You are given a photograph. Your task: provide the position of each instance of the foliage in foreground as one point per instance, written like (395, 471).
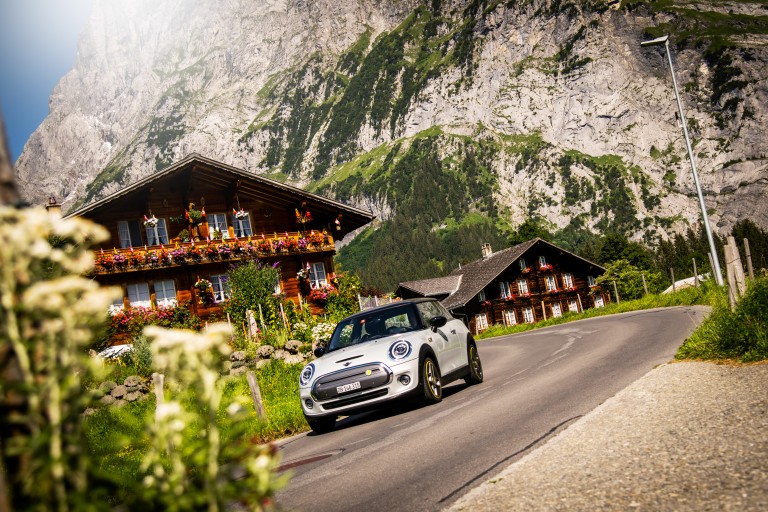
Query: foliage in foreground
(48, 460)
(739, 335)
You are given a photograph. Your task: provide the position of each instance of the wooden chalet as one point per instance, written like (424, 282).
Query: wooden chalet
(175, 234)
(529, 282)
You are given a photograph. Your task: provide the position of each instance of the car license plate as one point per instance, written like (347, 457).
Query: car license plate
(348, 387)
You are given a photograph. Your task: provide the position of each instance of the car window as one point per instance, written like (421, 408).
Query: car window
(430, 310)
(378, 324)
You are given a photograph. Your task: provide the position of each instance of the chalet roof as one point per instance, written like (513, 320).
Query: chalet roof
(433, 287)
(477, 275)
(246, 183)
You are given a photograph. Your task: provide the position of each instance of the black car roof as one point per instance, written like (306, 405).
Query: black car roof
(392, 305)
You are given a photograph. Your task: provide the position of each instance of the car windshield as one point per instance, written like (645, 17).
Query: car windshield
(378, 324)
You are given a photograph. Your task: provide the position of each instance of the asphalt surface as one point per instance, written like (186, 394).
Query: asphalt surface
(537, 384)
(689, 436)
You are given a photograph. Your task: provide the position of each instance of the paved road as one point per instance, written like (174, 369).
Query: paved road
(536, 384)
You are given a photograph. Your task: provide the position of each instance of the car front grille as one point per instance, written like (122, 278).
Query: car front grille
(351, 381)
(343, 402)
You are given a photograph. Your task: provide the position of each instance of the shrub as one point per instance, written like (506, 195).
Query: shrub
(741, 334)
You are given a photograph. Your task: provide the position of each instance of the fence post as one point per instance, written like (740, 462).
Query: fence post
(749, 260)
(695, 274)
(258, 403)
(645, 286)
(672, 273)
(616, 292)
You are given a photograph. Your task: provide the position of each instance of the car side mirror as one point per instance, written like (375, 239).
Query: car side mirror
(437, 321)
(319, 351)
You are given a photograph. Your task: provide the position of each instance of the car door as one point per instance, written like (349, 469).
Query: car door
(444, 339)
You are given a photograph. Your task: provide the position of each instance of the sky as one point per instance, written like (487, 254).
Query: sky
(38, 44)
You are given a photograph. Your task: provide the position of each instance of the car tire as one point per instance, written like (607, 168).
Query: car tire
(431, 383)
(475, 375)
(321, 425)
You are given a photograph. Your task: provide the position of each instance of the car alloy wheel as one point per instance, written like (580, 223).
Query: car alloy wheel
(431, 381)
(475, 375)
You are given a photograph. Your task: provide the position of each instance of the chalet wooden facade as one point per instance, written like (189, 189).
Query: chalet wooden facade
(175, 234)
(529, 282)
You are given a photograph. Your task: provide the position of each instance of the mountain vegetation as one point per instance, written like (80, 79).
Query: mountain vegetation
(456, 123)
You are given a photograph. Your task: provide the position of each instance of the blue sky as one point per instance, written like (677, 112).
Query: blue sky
(38, 44)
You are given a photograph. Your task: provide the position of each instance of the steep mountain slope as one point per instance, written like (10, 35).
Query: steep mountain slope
(436, 115)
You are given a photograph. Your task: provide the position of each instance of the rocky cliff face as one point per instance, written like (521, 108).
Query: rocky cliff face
(547, 108)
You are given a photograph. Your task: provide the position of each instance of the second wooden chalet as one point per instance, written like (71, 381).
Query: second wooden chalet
(529, 282)
(175, 234)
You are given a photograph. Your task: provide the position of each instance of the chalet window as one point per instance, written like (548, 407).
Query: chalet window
(551, 283)
(599, 303)
(556, 311)
(522, 263)
(317, 275)
(481, 322)
(218, 222)
(522, 286)
(573, 306)
(590, 281)
(542, 261)
(157, 234)
(509, 317)
(220, 287)
(567, 281)
(481, 296)
(242, 226)
(130, 233)
(116, 306)
(528, 314)
(505, 290)
(138, 295)
(165, 293)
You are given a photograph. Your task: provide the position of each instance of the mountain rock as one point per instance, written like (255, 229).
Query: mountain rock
(548, 108)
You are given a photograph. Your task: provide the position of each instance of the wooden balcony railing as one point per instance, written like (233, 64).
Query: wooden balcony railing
(195, 253)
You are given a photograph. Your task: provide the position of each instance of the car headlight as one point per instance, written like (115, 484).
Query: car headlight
(400, 350)
(306, 374)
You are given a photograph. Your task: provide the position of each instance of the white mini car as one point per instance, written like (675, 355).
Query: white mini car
(411, 347)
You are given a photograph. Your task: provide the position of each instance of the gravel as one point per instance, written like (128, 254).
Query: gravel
(686, 436)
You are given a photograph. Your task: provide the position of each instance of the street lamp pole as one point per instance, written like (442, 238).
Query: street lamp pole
(715, 260)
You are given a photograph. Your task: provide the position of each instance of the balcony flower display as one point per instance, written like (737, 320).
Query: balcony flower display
(119, 259)
(134, 258)
(150, 222)
(317, 239)
(225, 251)
(152, 258)
(264, 245)
(239, 214)
(104, 260)
(211, 251)
(526, 270)
(485, 303)
(194, 253)
(179, 255)
(291, 244)
(320, 294)
(302, 243)
(510, 297)
(279, 245)
(204, 291)
(546, 268)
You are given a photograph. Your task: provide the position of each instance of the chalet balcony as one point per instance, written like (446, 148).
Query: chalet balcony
(178, 254)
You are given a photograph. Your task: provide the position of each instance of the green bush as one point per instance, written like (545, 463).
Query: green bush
(741, 334)
(138, 361)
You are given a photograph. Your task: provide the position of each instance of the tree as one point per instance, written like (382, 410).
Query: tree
(531, 228)
(252, 286)
(629, 279)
